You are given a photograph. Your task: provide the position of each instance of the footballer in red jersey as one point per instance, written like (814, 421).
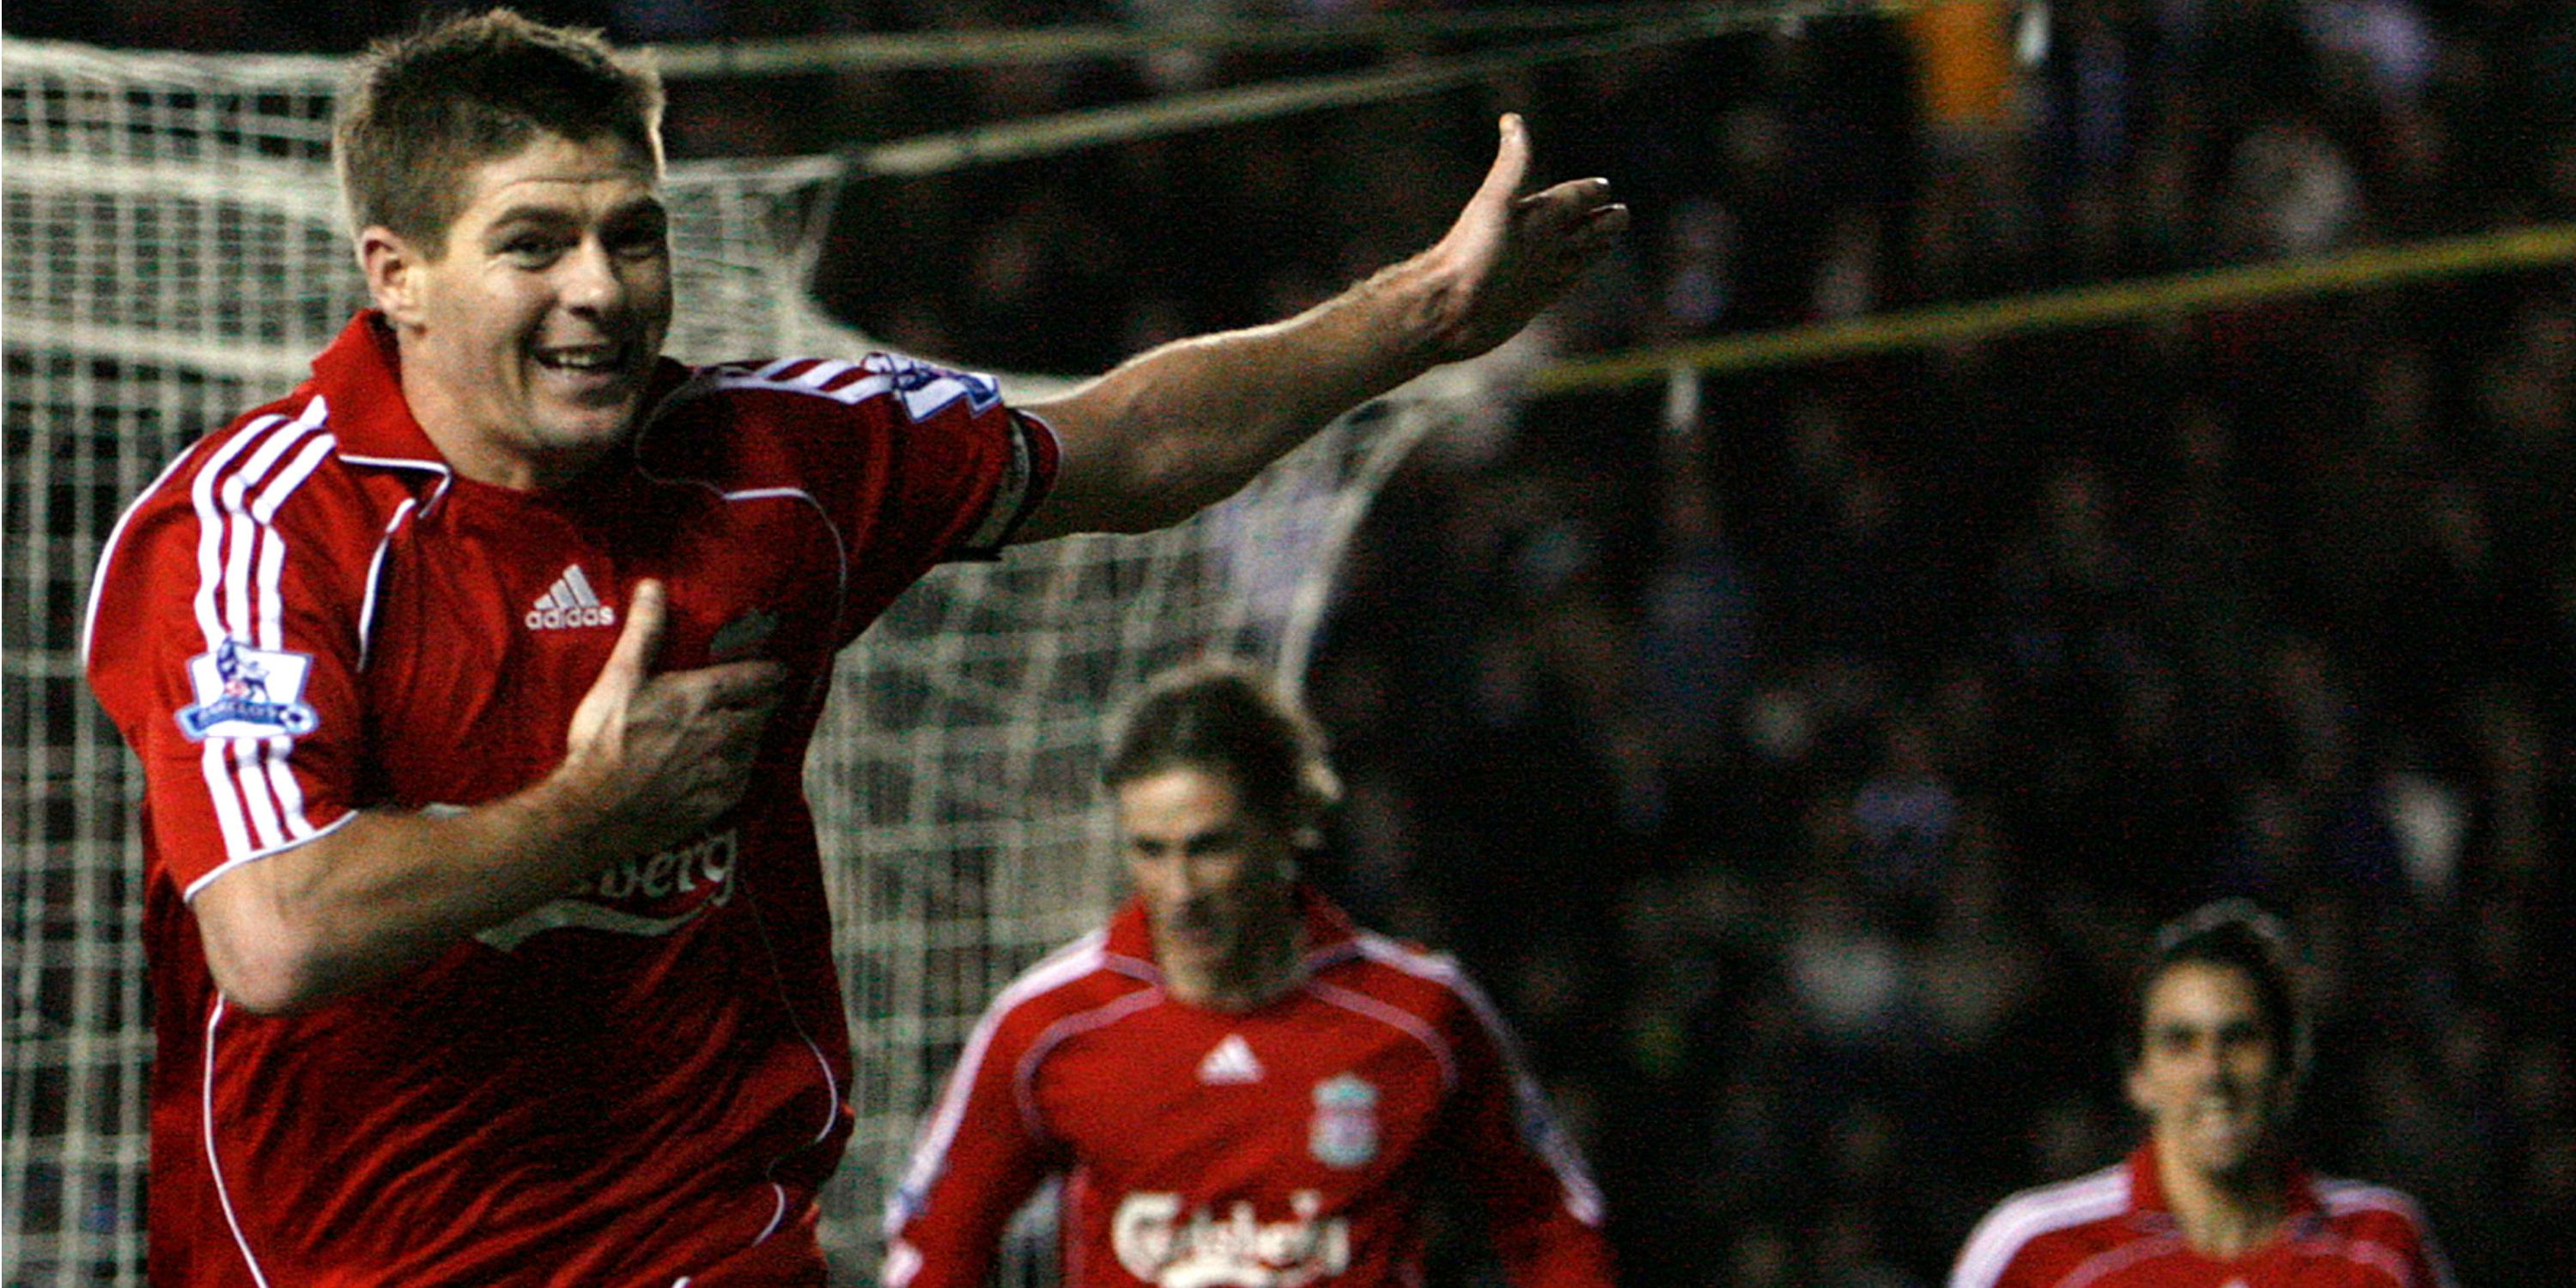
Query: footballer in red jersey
(2212, 1198)
(472, 685)
(369, 630)
(1236, 1085)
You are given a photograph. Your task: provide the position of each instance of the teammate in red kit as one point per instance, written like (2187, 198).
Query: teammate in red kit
(472, 682)
(1237, 1086)
(2212, 1198)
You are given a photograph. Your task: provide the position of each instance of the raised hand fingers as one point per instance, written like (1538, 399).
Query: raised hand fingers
(1573, 204)
(630, 662)
(1484, 223)
(1511, 163)
(1508, 256)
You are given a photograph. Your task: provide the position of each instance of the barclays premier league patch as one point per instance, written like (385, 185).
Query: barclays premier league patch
(925, 388)
(245, 692)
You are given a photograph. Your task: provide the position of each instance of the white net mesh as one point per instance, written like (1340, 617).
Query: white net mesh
(175, 255)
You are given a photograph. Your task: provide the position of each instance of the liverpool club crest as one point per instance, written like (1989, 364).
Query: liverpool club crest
(1344, 1134)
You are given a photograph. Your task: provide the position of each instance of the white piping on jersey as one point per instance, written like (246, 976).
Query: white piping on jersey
(2375, 1255)
(211, 528)
(270, 756)
(2343, 1197)
(1024, 1079)
(107, 553)
(2105, 1194)
(823, 373)
(1393, 1017)
(2111, 1261)
(256, 855)
(375, 581)
(777, 1203)
(1332, 954)
(1998, 1238)
(930, 1153)
(1536, 1123)
(1009, 499)
(1439, 970)
(446, 476)
(215, 1164)
(831, 1082)
(903, 1262)
(1135, 968)
(384, 544)
(840, 543)
(812, 380)
(241, 560)
(2338, 1197)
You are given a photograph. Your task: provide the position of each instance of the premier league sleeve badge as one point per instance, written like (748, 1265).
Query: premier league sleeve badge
(245, 692)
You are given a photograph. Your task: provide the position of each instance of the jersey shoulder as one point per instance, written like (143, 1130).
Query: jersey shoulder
(2057, 1223)
(1074, 980)
(268, 503)
(770, 413)
(923, 390)
(278, 464)
(2384, 1213)
(1420, 992)
(1405, 975)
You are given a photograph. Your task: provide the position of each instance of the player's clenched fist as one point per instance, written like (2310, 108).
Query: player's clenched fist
(660, 756)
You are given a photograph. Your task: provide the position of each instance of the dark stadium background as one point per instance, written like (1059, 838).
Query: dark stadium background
(1802, 772)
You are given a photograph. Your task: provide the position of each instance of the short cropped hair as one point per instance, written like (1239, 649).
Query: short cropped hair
(2237, 935)
(1227, 718)
(422, 109)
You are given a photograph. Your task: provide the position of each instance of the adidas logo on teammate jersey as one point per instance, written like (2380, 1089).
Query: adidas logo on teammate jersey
(1230, 1063)
(570, 602)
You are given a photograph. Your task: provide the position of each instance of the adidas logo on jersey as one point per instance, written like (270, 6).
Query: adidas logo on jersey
(1230, 1063)
(570, 602)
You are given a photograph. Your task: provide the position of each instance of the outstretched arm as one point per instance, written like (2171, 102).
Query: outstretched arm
(1184, 425)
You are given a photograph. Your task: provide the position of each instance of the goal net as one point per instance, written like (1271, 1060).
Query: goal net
(175, 254)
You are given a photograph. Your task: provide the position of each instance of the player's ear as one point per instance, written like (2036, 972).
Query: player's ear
(392, 264)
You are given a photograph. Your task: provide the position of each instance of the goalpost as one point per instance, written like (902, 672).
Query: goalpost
(176, 255)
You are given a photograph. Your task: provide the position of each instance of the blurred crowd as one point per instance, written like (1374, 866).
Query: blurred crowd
(1803, 756)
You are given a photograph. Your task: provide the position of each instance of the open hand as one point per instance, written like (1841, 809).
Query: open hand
(1508, 255)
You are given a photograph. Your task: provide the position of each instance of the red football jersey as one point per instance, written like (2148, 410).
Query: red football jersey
(308, 615)
(2112, 1229)
(1284, 1146)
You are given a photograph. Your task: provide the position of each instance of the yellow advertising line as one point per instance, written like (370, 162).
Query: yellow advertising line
(2359, 270)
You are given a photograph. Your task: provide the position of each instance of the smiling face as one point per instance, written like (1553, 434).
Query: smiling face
(1214, 879)
(529, 338)
(2211, 1076)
